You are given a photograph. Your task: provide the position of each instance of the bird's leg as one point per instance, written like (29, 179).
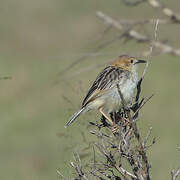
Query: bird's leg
(104, 122)
(115, 123)
(115, 126)
(106, 116)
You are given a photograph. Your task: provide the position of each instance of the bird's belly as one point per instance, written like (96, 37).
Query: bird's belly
(113, 99)
(128, 90)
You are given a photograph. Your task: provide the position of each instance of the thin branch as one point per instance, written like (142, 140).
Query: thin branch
(174, 174)
(151, 48)
(110, 21)
(132, 3)
(140, 107)
(79, 170)
(147, 136)
(125, 172)
(59, 173)
(164, 48)
(175, 17)
(128, 22)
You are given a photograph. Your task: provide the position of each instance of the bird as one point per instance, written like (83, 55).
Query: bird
(104, 96)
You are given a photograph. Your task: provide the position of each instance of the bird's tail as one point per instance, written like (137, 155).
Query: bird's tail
(73, 118)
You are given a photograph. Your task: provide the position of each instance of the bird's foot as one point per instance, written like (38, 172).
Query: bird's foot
(115, 129)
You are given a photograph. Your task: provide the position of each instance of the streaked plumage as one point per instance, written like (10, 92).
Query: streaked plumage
(103, 94)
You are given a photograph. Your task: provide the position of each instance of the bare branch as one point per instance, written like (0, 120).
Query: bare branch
(175, 17)
(174, 174)
(129, 22)
(78, 170)
(140, 107)
(125, 172)
(59, 173)
(147, 136)
(133, 3)
(110, 21)
(151, 48)
(164, 48)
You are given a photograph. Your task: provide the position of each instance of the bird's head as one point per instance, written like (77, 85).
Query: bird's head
(127, 62)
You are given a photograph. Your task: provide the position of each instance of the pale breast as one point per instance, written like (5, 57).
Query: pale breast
(111, 101)
(127, 87)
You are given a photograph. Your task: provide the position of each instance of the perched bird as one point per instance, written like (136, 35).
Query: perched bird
(103, 94)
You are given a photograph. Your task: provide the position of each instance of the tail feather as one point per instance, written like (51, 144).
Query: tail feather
(73, 118)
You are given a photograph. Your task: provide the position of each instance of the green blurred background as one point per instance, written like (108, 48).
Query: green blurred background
(39, 39)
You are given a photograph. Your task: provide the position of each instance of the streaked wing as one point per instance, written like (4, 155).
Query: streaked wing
(105, 80)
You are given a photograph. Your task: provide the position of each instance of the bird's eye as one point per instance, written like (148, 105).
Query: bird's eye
(131, 61)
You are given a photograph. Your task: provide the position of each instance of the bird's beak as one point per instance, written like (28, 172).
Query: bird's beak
(140, 61)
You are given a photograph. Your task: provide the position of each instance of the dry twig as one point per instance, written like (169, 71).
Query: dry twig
(131, 33)
(174, 174)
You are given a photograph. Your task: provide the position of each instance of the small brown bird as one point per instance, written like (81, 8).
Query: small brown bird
(103, 94)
